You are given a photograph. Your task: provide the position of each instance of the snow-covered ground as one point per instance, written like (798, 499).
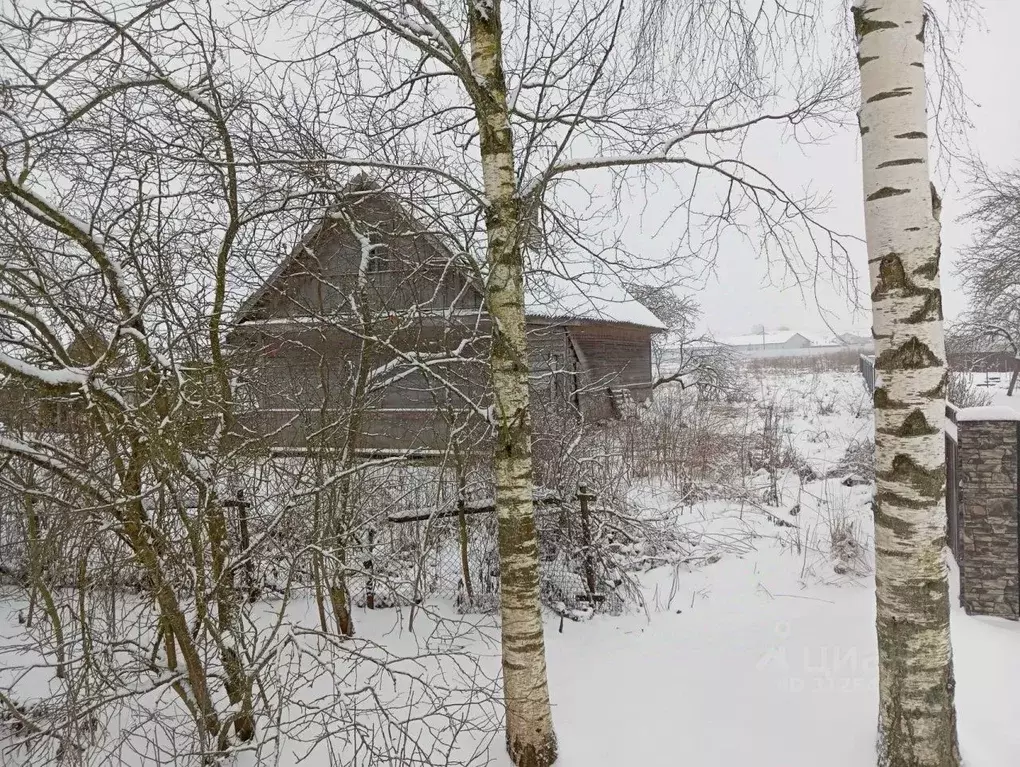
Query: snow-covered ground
(767, 657)
(759, 651)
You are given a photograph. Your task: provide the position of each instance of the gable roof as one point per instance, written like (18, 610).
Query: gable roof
(548, 296)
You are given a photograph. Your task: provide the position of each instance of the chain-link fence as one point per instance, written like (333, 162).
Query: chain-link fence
(451, 555)
(585, 556)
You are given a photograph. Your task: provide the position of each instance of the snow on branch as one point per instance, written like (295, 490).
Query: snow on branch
(51, 216)
(50, 458)
(67, 378)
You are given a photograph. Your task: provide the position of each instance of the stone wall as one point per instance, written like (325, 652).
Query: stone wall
(989, 545)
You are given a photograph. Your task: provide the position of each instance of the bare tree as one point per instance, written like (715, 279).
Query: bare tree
(146, 185)
(990, 266)
(917, 720)
(91, 200)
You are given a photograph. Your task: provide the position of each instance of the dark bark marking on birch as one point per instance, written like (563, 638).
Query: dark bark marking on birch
(912, 135)
(886, 191)
(897, 525)
(529, 756)
(893, 94)
(929, 483)
(892, 278)
(895, 499)
(930, 309)
(883, 401)
(865, 26)
(896, 746)
(912, 354)
(898, 163)
(915, 425)
(939, 392)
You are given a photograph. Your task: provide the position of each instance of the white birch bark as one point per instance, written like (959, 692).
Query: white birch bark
(531, 741)
(917, 723)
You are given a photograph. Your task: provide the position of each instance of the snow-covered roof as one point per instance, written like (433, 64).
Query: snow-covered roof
(597, 298)
(1006, 412)
(552, 299)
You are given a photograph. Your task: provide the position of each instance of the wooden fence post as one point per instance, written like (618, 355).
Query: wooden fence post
(583, 496)
(242, 523)
(465, 566)
(369, 569)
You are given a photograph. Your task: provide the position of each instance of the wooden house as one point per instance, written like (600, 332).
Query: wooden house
(372, 332)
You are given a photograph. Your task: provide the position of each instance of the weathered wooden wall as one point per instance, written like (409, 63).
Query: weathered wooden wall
(297, 378)
(300, 340)
(612, 357)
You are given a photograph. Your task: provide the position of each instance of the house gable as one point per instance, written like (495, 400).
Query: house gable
(367, 233)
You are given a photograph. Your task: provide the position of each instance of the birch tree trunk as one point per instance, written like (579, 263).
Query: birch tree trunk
(917, 722)
(531, 741)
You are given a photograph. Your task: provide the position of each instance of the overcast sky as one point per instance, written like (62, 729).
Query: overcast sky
(739, 297)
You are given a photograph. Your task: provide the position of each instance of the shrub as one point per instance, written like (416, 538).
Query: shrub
(963, 392)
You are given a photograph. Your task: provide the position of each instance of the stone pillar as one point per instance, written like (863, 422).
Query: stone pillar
(990, 556)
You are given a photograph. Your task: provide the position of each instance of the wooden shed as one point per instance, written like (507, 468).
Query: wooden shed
(371, 306)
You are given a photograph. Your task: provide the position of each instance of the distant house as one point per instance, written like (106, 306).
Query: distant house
(768, 342)
(790, 343)
(369, 270)
(856, 338)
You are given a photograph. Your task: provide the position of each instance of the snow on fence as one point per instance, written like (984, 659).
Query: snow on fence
(540, 497)
(451, 551)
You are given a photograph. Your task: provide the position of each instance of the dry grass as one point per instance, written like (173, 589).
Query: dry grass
(837, 361)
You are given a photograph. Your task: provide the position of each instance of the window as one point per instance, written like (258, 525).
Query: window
(378, 258)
